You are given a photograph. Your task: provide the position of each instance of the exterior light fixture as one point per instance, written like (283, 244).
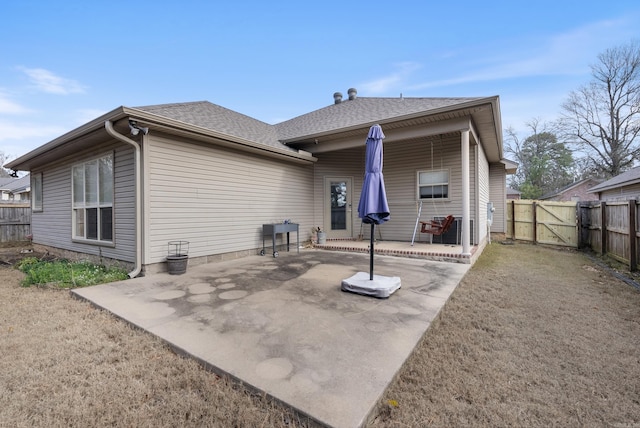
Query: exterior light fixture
(135, 129)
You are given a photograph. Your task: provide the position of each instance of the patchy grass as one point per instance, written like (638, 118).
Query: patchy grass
(532, 337)
(66, 274)
(67, 364)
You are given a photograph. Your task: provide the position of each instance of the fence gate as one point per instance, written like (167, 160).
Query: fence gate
(544, 222)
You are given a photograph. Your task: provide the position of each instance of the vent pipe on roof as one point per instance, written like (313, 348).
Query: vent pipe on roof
(337, 97)
(352, 93)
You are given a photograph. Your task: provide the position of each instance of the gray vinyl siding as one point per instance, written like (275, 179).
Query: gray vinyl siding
(402, 161)
(483, 193)
(498, 195)
(623, 193)
(218, 198)
(344, 163)
(52, 226)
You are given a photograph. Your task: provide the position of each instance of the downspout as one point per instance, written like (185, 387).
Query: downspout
(108, 126)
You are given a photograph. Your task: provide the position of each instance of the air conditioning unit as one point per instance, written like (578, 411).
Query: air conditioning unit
(453, 236)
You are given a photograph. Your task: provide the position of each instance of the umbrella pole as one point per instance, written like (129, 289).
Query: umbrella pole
(373, 226)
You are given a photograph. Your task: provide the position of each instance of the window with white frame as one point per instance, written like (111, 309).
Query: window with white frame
(433, 184)
(36, 192)
(92, 189)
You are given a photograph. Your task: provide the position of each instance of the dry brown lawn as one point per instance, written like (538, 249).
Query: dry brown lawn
(533, 336)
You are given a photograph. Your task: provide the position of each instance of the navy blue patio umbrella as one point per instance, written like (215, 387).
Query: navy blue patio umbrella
(373, 207)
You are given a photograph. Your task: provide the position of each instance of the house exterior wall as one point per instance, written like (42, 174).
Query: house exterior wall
(623, 193)
(498, 195)
(483, 193)
(347, 163)
(402, 161)
(580, 193)
(53, 225)
(577, 193)
(22, 197)
(218, 198)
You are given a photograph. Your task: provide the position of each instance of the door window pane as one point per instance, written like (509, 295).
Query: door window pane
(338, 205)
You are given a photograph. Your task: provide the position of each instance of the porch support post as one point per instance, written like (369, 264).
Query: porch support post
(466, 203)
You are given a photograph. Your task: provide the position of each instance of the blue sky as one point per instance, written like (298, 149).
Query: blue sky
(63, 63)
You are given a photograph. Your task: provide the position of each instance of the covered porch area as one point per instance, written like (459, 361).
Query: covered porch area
(419, 250)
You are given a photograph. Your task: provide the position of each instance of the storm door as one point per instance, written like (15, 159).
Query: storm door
(338, 206)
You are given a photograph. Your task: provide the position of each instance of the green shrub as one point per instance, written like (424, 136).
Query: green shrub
(66, 274)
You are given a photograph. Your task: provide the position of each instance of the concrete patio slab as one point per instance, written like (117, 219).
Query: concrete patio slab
(283, 326)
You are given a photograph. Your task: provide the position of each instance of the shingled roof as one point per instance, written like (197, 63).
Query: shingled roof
(627, 178)
(351, 113)
(15, 185)
(345, 116)
(212, 116)
(359, 111)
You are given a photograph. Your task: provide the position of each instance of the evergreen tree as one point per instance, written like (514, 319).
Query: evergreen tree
(544, 164)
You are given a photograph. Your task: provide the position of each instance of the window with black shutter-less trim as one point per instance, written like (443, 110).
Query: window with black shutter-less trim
(36, 192)
(433, 184)
(92, 197)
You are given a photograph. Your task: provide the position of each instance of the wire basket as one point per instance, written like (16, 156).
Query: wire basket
(177, 248)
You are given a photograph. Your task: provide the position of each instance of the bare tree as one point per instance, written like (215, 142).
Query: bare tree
(602, 118)
(4, 159)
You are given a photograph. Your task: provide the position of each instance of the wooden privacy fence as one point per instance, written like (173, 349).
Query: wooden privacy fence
(610, 228)
(618, 237)
(543, 222)
(15, 222)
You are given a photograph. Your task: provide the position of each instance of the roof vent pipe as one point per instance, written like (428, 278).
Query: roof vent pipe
(352, 93)
(337, 97)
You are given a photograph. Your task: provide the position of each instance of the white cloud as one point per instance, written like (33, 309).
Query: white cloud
(9, 107)
(393, 80)
(48, 82)
(564, 54)
(83, 116)
(21, 131)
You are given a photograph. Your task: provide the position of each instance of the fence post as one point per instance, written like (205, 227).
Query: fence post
(633, 242)
(579, 224)
(603, 226)
(535, 222)
(513, 220)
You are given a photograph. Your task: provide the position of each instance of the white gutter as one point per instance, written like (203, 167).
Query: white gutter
(108, 126)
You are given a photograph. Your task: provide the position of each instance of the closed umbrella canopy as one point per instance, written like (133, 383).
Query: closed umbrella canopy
(373, 207)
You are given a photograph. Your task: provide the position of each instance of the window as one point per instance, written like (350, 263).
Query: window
(36, 192)
(92, 190)
(433, 184)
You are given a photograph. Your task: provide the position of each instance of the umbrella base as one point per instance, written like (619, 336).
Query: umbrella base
(381, 286)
